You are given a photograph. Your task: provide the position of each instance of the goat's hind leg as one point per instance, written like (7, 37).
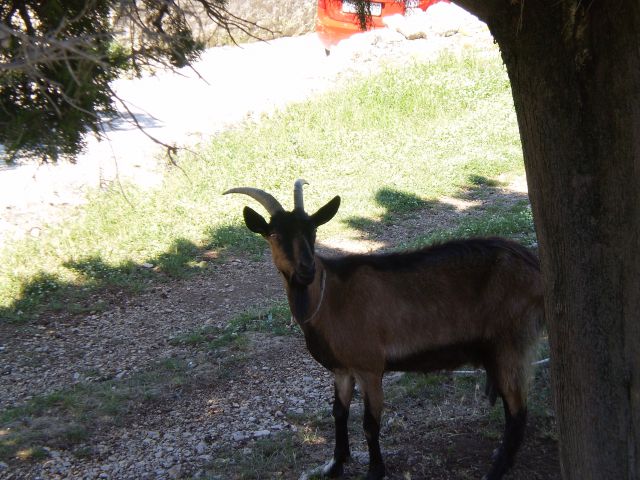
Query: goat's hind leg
(515, 412)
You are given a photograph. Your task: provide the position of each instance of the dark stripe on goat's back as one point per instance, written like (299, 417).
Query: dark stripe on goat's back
(476, 249)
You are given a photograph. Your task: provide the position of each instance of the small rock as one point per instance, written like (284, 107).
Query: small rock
(361, 457)
(54, 453)
(261, 433)
(3, 466)
(201, 448)
(174, 472)
(238, 436)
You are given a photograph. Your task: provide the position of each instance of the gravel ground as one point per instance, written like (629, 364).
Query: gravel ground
(211, 423)
(233, 397)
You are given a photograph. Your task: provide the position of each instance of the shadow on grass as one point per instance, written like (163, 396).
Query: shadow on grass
(485, 209)
(395, 202)
(93, 275)
(507, 214)
(480, 180)
(236, 238)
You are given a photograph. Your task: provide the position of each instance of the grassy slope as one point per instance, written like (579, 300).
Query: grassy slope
(385, 144)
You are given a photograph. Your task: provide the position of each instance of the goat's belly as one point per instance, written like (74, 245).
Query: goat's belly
(441, 358)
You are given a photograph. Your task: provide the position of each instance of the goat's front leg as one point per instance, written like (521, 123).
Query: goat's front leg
(371, 386)
(342, 400)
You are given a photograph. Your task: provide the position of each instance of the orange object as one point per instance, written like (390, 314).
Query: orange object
(337, 19)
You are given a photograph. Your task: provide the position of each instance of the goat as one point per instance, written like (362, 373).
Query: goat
(476, 301)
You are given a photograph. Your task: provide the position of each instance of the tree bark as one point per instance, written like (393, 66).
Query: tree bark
(574, 68)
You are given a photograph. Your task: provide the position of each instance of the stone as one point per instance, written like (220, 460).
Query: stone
(174, 472)
(201, 447)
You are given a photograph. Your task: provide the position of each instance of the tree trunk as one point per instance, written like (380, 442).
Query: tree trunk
(574, 68)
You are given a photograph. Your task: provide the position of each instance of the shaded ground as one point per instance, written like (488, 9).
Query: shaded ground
(169, 384)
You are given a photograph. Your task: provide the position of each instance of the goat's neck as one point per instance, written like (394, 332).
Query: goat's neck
(305, 301)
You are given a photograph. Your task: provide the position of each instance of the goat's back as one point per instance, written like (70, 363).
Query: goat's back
(434, 308)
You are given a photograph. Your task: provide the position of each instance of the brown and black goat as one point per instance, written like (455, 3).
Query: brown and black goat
(473, 301)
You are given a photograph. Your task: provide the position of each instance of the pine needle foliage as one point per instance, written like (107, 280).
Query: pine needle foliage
(58, 57)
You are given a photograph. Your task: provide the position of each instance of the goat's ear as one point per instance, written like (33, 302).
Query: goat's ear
(254, 221)
(326, 213)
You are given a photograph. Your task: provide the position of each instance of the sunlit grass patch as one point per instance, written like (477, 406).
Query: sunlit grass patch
(389, 144)
(513, 221)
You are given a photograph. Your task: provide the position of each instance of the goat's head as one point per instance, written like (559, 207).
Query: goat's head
(291, 235)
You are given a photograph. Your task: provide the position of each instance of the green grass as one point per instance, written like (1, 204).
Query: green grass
(389, 144)
(513, 221)
(266, 458)
(275, 320)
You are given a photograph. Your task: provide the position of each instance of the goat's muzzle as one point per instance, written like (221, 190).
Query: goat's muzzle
(304, 275)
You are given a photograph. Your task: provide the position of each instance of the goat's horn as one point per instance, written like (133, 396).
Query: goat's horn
(298, 202)
(267, 200)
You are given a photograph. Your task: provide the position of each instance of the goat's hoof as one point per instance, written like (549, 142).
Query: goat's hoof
(496, 454)
(498, 470)
(333, 469)
(495, 474)
(375, 473)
